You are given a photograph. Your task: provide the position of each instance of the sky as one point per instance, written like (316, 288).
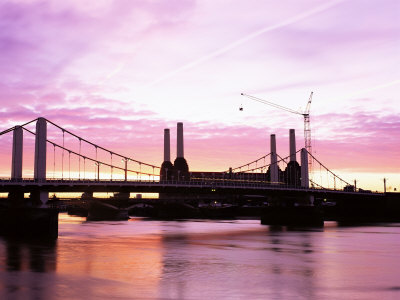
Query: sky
(118, 72)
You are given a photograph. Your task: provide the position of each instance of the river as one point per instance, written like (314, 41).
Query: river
(203, 259)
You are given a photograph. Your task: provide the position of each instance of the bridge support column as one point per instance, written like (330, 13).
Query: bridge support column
(304, 169)
(274, 159)
(40, 157)
(16, 166)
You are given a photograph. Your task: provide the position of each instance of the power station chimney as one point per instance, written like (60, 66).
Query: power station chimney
(292, 172)
(180, 165)
(167, 148)
(274, 165)
(179, 140)
(167, 168)
(292, 139)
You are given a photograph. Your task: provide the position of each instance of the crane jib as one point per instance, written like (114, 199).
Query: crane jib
(305, 114)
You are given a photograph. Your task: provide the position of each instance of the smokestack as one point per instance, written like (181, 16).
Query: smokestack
(274, 165)
(179, 141)
(292, 139)
(167, 168)
(167, 149)
(181, 168)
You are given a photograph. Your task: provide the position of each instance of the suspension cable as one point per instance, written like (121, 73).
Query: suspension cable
(328, 169)
(102, 148)
(86, 157)
(262, 157)
(267, 165)
(14, 127)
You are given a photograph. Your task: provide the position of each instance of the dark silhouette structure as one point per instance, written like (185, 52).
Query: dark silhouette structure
(180, 169)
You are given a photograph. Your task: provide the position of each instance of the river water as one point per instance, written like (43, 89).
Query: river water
(205, 259)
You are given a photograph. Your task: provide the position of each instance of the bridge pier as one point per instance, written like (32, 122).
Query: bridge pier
(40, 157)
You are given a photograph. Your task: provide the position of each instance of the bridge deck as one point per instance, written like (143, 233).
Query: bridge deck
(218, 186)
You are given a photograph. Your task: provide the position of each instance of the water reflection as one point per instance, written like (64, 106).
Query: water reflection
(22, 258)
(35, 256)
(174, 267)
(202, 260)
(231, 263)
(293, 266)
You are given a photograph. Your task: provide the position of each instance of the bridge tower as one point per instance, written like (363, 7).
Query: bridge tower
(17, 147)
(16, 196)
(180, 165)
(167, 168)
(40, 157)
(304, 169)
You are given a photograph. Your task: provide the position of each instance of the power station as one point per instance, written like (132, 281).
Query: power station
(180, 169)
(294, 174)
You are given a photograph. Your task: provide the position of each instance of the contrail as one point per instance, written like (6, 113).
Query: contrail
(245, 39)
(374, 88)
(113, 72)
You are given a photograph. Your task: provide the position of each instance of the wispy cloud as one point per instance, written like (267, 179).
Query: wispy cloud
(245, 39)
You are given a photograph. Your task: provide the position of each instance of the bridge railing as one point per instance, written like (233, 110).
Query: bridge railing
(211, 183)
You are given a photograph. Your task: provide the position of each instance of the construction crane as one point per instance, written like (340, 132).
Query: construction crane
(305, 114)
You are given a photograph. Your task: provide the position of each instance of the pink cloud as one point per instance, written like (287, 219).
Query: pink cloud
(365, 143)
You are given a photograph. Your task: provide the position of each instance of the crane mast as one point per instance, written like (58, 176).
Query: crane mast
(305, 114)
(307, 130)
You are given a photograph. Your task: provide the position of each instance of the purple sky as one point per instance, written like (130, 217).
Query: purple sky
(119, 72)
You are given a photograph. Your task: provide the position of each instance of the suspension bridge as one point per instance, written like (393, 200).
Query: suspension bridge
(67, 162)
